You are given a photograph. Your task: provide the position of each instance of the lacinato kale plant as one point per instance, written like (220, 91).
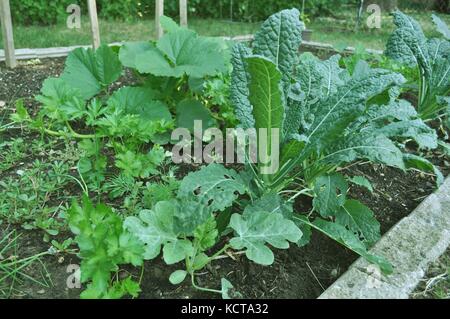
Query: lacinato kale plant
(409, 45)
(326, 118)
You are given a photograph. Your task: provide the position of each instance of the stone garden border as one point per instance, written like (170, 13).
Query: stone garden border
(411, 245)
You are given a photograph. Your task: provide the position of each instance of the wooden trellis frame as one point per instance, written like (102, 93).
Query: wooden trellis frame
(7, 32)
(159, 11)
(95, 29)
(8, 37)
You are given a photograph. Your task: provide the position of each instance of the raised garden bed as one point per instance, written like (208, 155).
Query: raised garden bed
(297, 273)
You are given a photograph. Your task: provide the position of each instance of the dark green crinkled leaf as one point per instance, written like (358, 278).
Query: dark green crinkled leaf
(400, 110)
(278, 40)
(376, 148)
(319, 78)
(441, 26)
(425, 136)
(406, 47)
(408, 43)
(345, 106)
(240, 86)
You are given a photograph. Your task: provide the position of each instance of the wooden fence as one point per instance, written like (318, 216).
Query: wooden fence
(8, 37)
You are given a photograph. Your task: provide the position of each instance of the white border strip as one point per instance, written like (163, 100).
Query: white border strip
(27, 54)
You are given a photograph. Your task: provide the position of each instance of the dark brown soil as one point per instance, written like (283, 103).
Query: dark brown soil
(26, 80)
(297, 273)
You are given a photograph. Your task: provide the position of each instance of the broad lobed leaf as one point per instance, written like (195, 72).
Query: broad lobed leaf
(254, 231)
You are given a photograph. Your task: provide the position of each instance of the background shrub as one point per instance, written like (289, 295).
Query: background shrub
(49, 12)
(45, 12)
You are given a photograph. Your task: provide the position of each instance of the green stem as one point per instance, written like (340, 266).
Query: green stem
(80, 136)
(64, 134)
(7, 126)
(302, 192)
(220, 252)
(202, 288)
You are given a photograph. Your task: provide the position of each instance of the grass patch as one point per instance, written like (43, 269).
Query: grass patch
(436, 284)
(116, 31)
(337, 30)
(15, 269)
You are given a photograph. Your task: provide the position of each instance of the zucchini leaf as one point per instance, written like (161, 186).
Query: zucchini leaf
(91, 71)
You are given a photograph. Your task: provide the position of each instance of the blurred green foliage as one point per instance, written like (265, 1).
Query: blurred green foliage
(48, 12)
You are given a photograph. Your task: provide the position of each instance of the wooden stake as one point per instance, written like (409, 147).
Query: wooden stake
(159, 12)
(7, 32)
(92, 7)
(183, 13)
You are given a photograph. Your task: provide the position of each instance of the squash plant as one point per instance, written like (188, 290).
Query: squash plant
(409, 45)
(177, 68)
